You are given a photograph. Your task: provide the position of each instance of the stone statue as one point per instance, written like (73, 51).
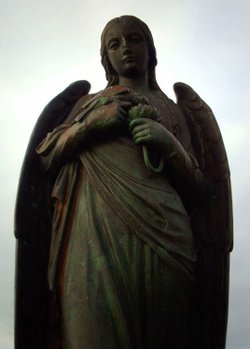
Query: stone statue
(123, 215)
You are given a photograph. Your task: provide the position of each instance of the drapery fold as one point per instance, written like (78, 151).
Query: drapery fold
(143, 201)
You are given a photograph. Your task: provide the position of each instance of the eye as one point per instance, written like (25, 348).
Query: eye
(114, 44)
(135, 38)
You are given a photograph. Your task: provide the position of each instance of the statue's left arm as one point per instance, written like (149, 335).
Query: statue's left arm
(181, 165)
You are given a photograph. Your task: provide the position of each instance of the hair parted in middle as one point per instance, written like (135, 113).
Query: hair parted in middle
(111, 74)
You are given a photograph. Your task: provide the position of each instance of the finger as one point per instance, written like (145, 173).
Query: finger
(133, 113)
(122, 110)
(124, 98)
(143, 139)
(121, 92)
(139, 134)
(138, 129)
(149, 112)
(136, 122)
(145, 111)
(125, 105)
(121, 115)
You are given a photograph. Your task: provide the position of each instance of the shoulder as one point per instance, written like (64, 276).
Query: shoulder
(77, 107)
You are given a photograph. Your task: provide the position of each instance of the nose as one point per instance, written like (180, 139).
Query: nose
(124, 42)
(125, 46)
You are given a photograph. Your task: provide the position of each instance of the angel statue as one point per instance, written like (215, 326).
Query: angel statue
(123, 214)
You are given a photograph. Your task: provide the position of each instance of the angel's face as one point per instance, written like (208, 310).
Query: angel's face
(127, 49)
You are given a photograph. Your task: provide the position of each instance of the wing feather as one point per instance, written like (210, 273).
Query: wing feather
(212, 225)
(32, 227)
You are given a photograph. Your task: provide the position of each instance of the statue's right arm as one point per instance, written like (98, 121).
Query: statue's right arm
(62, 145)
(65, 142)
(58, 143)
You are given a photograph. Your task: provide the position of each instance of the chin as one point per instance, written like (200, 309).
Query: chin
(132, 72)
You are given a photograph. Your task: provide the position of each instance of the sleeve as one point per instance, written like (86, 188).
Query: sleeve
(181, 163)
(54, 149)
(185, 173)
(61, 145)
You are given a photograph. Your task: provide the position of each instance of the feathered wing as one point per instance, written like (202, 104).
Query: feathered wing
(212, 225)
(32, 227)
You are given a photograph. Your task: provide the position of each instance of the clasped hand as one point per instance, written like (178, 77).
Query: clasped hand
(147, 131)
(108, 117)
(141, 120)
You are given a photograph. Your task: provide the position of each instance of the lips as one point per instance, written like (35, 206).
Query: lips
(128, 59)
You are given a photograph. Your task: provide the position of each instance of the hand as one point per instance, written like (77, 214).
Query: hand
(147, 131)
(108, 117)
(143, 111)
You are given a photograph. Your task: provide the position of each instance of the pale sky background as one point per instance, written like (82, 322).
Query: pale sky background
(46, 45)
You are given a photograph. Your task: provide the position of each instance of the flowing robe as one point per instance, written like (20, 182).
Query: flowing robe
(122, 251)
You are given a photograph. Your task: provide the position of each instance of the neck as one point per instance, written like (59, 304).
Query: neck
(137, 84)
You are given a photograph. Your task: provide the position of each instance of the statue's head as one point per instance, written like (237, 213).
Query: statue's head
(148, 52)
